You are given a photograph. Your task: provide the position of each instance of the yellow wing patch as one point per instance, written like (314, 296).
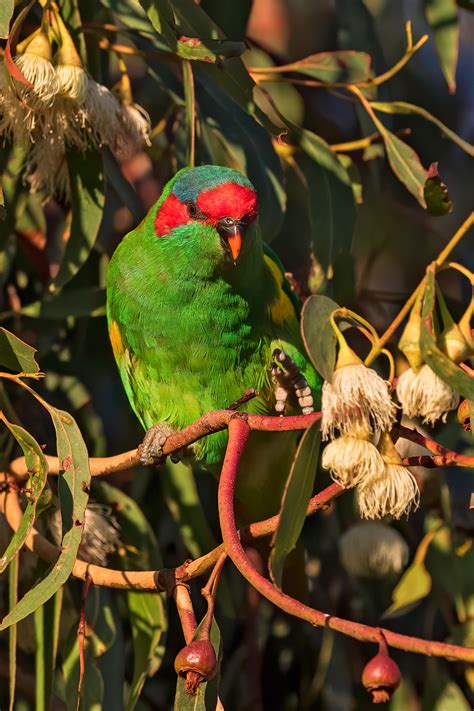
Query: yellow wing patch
(116, 340)
(281, 309)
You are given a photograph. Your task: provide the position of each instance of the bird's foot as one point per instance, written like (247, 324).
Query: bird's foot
(151, 449)
(288, 378)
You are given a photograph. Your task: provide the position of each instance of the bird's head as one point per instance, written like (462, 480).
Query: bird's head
(207, 210)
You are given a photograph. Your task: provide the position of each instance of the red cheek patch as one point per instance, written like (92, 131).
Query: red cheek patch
(171, 214)
(228, 200)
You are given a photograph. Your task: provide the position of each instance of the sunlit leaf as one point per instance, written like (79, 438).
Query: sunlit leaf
(344, 66)
(318, 335)
(296, 496)
(406, 165)
(413, 586)
(73, 488)
(15, 354)
(448, 371)
(402, 107)
(442, 17)
(6, 12)
(38, 469)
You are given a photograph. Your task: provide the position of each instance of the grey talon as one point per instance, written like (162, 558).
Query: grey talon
(288, 378)
(151, 449)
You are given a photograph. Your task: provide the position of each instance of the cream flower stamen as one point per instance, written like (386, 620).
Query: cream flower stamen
(423, 394)
(35, 63)
(357, 395)
(393, 491)
(373, 550)
(352, 458)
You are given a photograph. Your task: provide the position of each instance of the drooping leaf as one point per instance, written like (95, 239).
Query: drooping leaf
(332, 208)
(448, 371)
(442, 17)
(13, 195)
(345, 66)
(15, 354)
(296, 496)
(147, 612)
(121, 186)
(318, 336)
(73, 488)
(82, 301)
(6, 13)
(436, 193)
(86, 175)
(38, 469)
(413, 586)
(13, 631)
(402, 107)
(47, 618)
(406, 165)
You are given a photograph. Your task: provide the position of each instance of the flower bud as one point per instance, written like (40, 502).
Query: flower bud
(381, 676)
(196, 663)
(409, 342)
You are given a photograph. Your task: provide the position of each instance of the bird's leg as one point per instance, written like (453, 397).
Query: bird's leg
(288, 378)
(151, 449)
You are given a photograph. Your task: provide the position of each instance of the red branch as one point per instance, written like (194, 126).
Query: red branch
(238, 434)
(440, 456)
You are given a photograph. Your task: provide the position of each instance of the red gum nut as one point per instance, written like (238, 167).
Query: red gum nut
(381, 676)
(196, 663)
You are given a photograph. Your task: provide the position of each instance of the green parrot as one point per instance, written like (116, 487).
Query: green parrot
(199, 311)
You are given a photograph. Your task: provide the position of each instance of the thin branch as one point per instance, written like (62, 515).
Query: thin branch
(238, 434)
(441, 456)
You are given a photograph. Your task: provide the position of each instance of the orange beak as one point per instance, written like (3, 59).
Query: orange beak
(234, 241)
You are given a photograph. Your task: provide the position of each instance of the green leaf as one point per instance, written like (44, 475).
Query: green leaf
(147, 613)
(345, 66)
(73, 488)
(38, 468)
(13, 631)
(442, 17)
(83, 301)
(401, 107)
(47, 618)
(406, 165)
(448, 371)
(207, 693)
(318, 335)
(122, 187)
(413, 586)
(6, 13)
(86, 175)
(332, 209)
(436, 193)
(15, 354)
(296, 496)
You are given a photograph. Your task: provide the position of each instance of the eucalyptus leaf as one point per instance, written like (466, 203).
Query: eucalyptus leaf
(294, 504)
(344, 66)
(413, 586)
(442, 17)
(6, 14)
(47, 619)
(436, 193)
(38, 469)
(318, 335)
(15, 354)
(73, 488)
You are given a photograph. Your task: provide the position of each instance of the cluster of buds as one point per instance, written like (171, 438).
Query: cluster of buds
(421, 392)
(358, 410)
(50, 102)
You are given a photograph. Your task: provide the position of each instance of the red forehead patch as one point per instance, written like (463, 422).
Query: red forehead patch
(228, 200)
(171, 214)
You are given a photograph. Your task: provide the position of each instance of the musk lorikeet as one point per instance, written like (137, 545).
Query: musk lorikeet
(198, 308)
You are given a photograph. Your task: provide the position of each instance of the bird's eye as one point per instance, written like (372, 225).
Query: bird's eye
(228, 221)
(192, 209)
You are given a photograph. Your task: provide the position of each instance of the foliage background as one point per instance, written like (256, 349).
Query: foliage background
(367, 253)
